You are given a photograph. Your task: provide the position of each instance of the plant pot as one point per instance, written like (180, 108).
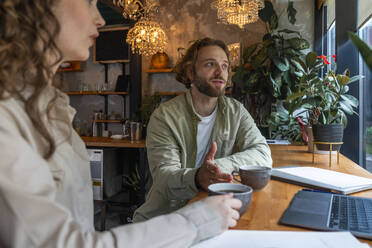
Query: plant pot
(328, 133)
(160, 60)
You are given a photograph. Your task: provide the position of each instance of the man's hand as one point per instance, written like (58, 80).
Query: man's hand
(209, 173)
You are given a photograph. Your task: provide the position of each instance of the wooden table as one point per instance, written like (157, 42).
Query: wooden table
(268, 205)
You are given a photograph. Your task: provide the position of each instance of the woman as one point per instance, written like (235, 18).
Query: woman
(45, 186)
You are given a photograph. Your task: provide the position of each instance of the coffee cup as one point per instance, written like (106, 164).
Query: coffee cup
(252, 175)
(241, 192)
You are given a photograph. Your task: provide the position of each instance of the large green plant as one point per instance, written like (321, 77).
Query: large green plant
(363, 48)
(285, 122)
(269, 71)
(325, 99)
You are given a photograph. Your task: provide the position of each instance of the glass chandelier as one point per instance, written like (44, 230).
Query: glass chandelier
(238, 12)
(147, 37)
(132, 9)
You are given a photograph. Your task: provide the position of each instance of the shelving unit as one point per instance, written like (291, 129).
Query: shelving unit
(96, 93)
(75, 66)
(170, 93)
(105, 94)
(109, 121)
(166, 70)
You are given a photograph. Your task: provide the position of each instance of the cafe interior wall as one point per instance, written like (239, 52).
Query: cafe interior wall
(183, 21)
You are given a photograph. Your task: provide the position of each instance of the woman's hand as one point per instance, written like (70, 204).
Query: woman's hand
(227, 207)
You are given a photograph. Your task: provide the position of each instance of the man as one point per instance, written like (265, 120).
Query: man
(199, 138)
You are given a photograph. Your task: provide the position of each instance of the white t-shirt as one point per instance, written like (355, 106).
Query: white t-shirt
(205, 128)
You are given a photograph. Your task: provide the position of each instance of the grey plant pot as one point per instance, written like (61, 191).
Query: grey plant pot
(328, 133)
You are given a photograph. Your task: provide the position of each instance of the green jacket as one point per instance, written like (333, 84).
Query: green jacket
(172, 148)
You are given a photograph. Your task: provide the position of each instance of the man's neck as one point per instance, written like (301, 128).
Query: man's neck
(204, 105)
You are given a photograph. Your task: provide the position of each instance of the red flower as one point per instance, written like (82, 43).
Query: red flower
(334, 58)
(300, 121)
(325, 60)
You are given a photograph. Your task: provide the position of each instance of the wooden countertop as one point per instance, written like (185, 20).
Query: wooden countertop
(268, 205)
(108, 142)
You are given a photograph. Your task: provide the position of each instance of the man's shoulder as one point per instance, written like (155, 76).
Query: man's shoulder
(176, 103)
(231, 103)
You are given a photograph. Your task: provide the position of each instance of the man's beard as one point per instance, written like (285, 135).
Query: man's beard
(204, 87)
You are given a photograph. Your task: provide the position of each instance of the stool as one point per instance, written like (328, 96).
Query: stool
(330, 151)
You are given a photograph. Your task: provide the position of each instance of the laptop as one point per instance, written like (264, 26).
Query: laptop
(332, 212)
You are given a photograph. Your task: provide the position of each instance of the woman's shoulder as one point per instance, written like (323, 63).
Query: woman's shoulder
(11, 109)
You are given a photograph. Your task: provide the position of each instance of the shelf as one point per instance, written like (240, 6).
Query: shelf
(109, 121)
(108, 142)
(69, 70)
(74, 66)
(176, 93)
(170, 93)
(96, 93)
(166, 70)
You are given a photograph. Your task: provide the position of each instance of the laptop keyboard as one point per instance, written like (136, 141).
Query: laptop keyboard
(348, 213)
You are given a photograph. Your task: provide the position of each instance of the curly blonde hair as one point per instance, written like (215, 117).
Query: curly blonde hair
(189, 59)
(27, 40)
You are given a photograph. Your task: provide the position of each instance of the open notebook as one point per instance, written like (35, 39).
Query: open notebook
(320, 178)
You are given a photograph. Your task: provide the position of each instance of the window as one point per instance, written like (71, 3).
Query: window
(331, 42)
(365, 33)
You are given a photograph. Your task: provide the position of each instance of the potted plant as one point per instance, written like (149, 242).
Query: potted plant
(325, 99)
(268, 71)
(149, 104)
(288, 121)
(132, 182)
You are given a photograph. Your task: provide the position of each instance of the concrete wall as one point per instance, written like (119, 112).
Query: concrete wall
(183, 21)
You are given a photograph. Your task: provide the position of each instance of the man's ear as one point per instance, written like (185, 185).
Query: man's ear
(190, 73)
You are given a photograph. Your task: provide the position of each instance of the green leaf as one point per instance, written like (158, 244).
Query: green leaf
(291, 12)
(355, 78)
(330, 97)
(343, 118)
(249, 51)
(298, 73)
(266, 37)
(274, 21)
(363, 48)
(287, 31)
(253, 78)
(239, 75)
(342, 79)
(299, 43)
(334, 112)
(296, 95)
(259, 58)
(280, 65)
(311, 58)
(266, 13)
(346, 89)
(285, 77)
(299, 65)
(344, 105)
(272, 52)
(350, 99)
(275, 86)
